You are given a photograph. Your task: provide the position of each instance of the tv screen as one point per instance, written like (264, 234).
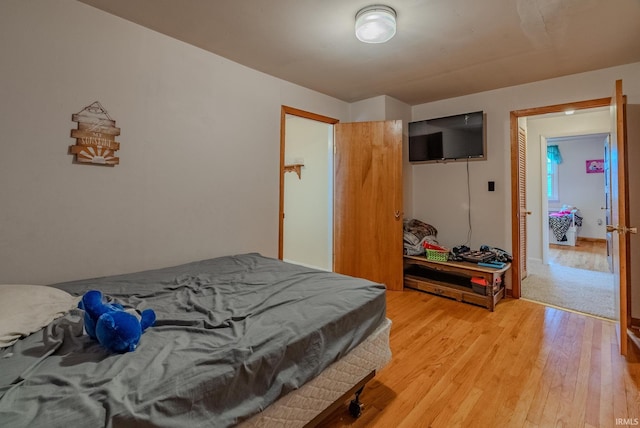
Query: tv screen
(448, 138)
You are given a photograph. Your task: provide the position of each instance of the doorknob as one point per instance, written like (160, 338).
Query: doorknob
(396, 214)
(621, 229)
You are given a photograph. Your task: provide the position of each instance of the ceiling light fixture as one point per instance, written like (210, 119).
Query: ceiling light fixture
(375, 24)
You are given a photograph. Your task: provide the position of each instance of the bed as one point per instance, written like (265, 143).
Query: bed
(240, 340)
(564, 225)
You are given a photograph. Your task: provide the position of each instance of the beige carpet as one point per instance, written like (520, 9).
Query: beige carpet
(580, 290)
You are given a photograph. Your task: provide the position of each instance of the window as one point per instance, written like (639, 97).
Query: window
(554, 158)
(552, 180)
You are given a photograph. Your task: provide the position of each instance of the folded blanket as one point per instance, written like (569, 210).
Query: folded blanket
(415, 234)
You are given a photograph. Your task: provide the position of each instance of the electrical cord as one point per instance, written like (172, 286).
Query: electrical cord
(470, 231)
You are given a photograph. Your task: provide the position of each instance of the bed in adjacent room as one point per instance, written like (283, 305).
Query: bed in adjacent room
(244, 339)
(564, 225)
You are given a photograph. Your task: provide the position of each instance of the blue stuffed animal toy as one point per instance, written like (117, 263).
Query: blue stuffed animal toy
(112, 326)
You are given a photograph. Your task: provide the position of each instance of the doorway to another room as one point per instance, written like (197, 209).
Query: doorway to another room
(617, 227)
(577, 201)
(307, 190)
(567, 248)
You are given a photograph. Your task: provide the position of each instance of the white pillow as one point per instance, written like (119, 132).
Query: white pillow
(25, 309)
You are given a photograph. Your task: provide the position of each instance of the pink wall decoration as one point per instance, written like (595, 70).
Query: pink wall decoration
(595, 166)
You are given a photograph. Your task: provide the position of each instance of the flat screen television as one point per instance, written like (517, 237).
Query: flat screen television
(450, 138)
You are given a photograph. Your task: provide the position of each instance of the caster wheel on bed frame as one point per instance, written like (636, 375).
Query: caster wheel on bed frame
(355, 408)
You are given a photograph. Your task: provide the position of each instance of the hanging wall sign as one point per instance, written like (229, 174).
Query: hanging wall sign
(95, 136)
(595, 166)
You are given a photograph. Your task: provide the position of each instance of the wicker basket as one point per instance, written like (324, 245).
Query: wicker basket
(437, 255)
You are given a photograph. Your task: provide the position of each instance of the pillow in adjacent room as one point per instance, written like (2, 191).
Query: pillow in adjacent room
(25, 309)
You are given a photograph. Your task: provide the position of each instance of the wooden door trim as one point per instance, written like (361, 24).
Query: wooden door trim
(515, 191)
(284, 111)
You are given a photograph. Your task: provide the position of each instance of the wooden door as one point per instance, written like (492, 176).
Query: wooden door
(368, 201)
(522, 183)
(619, 214)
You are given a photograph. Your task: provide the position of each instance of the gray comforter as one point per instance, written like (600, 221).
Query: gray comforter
(232, 335)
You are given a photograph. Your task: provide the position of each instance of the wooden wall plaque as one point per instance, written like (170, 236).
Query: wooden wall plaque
(95, 136)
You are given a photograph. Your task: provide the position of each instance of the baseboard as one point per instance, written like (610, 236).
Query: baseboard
(634, 342)
(583, 238)
(635, 322)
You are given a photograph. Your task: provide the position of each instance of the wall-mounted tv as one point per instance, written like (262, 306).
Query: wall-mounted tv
(451, 138)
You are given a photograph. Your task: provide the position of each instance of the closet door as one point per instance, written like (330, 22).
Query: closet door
(522, 183)
(368, 201)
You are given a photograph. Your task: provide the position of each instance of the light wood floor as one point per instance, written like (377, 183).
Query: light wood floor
(589, 255)
(524, 365)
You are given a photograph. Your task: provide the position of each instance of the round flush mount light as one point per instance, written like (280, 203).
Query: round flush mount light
(375, 24)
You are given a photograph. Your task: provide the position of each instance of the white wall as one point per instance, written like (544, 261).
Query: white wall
(369, 110)
(199, 160)
(440, 190)
(307, 222)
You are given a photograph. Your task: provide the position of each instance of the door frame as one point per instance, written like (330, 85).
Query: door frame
(284, 111)
(516, 215)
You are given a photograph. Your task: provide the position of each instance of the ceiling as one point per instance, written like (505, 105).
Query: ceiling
(442, 49)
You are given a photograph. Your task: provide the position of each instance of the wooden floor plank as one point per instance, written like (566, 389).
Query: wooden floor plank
(593, 402)
(632, 381)
(620, 394)
(557, 370)
(589, 255)
(529, 369)
(524, 365)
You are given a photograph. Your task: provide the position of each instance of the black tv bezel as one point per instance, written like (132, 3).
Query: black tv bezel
(483, 156)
